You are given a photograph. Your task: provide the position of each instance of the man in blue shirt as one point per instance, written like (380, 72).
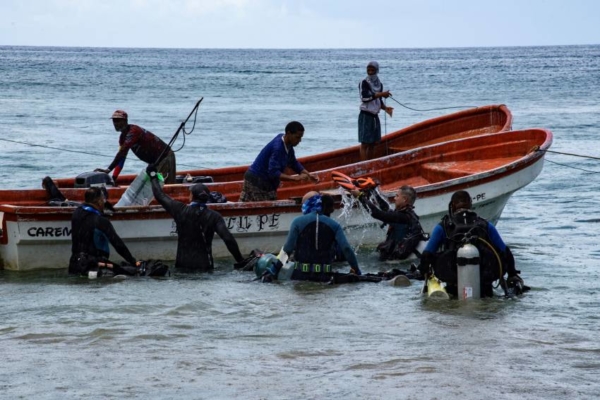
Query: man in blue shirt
(264, 176)
(461, 226)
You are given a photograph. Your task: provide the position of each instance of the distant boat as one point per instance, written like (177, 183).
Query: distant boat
(490, 166)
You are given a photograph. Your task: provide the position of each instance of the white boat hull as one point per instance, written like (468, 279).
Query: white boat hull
(44, 241)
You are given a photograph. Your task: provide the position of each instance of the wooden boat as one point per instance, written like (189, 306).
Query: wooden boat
(491, 167)
(459, 125)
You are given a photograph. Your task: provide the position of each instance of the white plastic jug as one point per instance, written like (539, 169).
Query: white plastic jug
(139, 193)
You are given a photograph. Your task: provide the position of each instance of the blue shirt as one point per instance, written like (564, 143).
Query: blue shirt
(273, 160)
(437, 238)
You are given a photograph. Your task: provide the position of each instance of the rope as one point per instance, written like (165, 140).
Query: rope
(430, 109)
(78, 151)
(55, 148)
(573, 155)
(185, 133)
(570, 166)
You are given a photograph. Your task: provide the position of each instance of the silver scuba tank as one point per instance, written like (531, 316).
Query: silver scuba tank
(467, 265)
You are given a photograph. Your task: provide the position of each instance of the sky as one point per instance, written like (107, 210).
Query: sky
(298, 23)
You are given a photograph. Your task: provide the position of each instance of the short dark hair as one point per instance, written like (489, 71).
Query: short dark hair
(200, 193)
(327, 203)
(93, 194)
(294, 127)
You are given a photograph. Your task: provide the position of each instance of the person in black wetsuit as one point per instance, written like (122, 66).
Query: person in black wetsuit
(404, 231)
(91, 234)
(462, 225)
(196, 227)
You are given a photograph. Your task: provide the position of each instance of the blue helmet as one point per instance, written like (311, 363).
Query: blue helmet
(264, 262)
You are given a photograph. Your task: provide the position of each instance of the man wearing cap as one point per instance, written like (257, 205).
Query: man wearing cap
(144, 144)
(196, 227)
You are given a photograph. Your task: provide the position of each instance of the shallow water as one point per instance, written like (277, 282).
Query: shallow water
(222, 336)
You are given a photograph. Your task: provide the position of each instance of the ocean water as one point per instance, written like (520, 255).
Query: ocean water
(222, 336)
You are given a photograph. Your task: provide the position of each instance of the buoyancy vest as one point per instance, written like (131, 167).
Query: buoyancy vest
(467, 227)
(402, 239)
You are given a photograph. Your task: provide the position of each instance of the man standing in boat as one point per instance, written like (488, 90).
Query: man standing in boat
(462, 225)
(196, 227)
(91, 234)
(371, 95)
(144, 144)
(404, 230)
(264, 176)
(313, 239)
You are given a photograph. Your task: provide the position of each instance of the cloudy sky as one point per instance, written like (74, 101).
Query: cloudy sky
(298, 23)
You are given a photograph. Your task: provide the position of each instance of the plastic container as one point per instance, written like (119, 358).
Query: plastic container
(139, 193)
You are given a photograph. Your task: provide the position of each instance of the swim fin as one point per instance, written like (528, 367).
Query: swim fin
(343, 180)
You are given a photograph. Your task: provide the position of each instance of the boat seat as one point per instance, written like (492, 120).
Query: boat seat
(438, 172)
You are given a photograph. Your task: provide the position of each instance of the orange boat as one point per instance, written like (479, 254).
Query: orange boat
(459, 125)
(490, 166)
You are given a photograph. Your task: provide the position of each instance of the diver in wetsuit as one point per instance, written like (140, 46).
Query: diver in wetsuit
(404, 231)
(313, 239)
(463, 225)
(196, 227)
(91, 234)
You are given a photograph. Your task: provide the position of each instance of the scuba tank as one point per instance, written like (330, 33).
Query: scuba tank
(469, 280)
(269, 261)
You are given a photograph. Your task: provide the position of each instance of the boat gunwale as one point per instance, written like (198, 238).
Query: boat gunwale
(257, 207)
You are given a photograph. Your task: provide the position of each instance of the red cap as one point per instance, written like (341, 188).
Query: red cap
(119, 114)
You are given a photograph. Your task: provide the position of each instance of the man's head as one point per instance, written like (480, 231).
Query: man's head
(406, 196)
(200, 193)
(119, 119)
(293, 133)
(95, 197)
(461, 200)
(309, 195)
(328, 204)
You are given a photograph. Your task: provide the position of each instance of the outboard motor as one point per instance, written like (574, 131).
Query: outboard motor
(469, 279)
(89, 179)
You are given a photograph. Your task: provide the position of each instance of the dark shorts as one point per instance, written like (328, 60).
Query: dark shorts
(369, 128)
(167, 167)
(254, 189)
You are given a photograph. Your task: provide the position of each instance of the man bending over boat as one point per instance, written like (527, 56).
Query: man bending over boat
(91, 234)
(264, 176)
(404, 231)
(462, 225)
(144, 144)
(196, 227)
(313, 239)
